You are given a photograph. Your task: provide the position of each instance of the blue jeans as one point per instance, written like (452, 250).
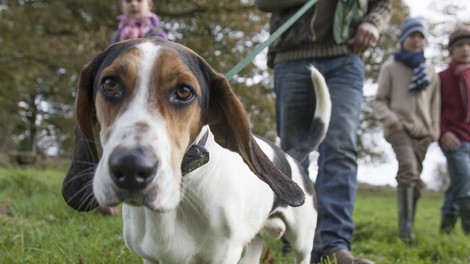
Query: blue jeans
(450, 207)
(336, 182)
(458, 165)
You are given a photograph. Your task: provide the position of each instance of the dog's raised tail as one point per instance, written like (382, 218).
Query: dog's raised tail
(320, 121)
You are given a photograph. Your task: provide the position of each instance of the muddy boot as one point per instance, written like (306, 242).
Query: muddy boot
(405, 214)
(447, 224)
(465, 215)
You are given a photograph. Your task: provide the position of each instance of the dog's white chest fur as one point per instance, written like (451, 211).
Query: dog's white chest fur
(221, 197)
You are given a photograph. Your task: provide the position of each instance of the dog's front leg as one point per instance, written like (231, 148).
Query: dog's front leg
(254, 251)
(230, 255)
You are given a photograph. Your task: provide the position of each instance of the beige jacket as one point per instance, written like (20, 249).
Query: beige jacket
(419, 111)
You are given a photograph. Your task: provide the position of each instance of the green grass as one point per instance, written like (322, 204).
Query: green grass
(36, 226)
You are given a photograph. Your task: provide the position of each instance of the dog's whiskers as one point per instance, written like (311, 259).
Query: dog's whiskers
(87, 200)
(85, 163)
(88, 171)
(86, 188)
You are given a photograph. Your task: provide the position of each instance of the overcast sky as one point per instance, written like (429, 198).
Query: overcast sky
(429, 9)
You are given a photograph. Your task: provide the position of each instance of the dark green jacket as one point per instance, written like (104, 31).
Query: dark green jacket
(324, 30)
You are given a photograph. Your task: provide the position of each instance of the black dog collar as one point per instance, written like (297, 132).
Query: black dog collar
(196, 156)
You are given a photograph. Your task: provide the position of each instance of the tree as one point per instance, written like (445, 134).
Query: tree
(44, 45)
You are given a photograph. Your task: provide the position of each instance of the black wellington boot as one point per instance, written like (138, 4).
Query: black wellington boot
(405, 214)
(448, 223)
(464, 206)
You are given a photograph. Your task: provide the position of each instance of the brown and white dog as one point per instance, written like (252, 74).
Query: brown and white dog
(155, 101)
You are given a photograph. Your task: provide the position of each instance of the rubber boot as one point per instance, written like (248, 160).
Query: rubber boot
(416, 196)
(405, 214)
(448, 223)
(464, 206)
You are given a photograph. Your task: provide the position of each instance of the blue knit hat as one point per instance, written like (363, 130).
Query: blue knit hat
(411, 25)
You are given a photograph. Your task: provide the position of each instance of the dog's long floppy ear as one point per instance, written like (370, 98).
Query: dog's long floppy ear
(229, 123)
(77, 188)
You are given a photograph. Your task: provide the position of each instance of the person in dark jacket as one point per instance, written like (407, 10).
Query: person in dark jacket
(331, 36)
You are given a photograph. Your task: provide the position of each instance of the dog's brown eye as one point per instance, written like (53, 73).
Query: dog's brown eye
(184, 93)
(110, 87)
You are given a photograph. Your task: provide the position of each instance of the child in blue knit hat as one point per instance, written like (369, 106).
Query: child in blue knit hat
(408, 105)
(414, 32)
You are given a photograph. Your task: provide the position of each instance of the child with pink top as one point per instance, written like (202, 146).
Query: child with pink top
(137, 21)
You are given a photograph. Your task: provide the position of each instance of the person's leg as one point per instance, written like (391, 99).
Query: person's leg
(407, 177)
(449, 212)
(408, 171)
(294, 108)
(295, 104)
(420, 150)
(458, 162)
(336, 182)
(450, 209)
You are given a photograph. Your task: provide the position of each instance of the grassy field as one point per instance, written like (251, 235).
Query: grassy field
(36, 226)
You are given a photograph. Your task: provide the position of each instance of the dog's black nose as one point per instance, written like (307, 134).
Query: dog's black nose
(132, 168)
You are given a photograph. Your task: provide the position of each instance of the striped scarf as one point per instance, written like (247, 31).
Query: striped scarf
(462, 71)
(417, 62)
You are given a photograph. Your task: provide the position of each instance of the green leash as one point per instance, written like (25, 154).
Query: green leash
(242, 64)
